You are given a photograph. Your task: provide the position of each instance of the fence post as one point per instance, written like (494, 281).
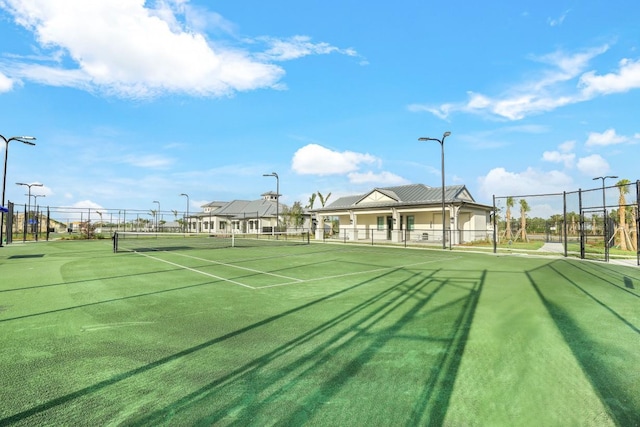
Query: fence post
(495, 226)
(564, 210)
(638, 222)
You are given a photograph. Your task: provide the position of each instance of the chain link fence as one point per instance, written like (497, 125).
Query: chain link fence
(599, 224)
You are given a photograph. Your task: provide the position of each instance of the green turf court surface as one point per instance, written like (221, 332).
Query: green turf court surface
(321, 334)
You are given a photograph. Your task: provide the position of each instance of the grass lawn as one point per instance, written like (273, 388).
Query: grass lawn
(321, 334)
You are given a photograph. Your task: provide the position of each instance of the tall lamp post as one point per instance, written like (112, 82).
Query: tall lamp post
(157, 213)
(25, 140)
(441, 141)
(35, 203)
(186, 222)
(28, 200)
(604, 214)
(277, 196)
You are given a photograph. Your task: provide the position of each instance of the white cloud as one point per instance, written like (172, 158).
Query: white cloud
(153, 161)
(297, 47)
(314, 159)
(127, 49)
(562, 155)
(559, 157)
(627, 78)
(567, 146)
(554, 22)
(501, 182)
(564, 82)
(608, 137)
(593, 165)
(383, 178)
(6, 84)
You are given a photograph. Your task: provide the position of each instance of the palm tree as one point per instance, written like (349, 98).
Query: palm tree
(622, 233)
(323, 200)
(510, 204)
(153, 214)
(312, 200)
(524, 208)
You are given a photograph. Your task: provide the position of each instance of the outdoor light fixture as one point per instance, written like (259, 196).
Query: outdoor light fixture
(25, 140)
(441, 141)
(29, 195)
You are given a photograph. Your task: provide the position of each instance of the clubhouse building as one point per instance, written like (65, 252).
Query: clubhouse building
(408, 212)
(240, 216)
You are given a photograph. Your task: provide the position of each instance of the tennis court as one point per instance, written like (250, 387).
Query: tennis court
(315, 334)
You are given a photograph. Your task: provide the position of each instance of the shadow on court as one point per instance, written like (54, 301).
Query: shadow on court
(422, 314)
(587, 325)
(354, 332)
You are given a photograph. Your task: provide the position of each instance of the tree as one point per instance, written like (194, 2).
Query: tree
(524, 208)
(323, 200)
(621, 233)
(557, 220)
(312, 200)
(294, 215)
(507, 232)
(153, 214)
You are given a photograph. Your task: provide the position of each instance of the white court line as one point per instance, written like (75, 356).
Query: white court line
(356, 273)
(253, 270)
(197, 271)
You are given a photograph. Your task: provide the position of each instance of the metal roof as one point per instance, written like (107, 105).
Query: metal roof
(412, 194)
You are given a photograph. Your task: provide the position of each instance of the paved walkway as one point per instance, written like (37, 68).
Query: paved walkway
(552, 247)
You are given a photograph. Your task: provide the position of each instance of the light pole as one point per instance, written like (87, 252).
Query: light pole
(25, 140)
(277, 196)
(441, 141)
(155, 201)
(604, 214)
(26, 220)
(35, 203)
(186, 219)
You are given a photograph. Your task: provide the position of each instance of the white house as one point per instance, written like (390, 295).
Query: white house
(240, 216)
(409, 212)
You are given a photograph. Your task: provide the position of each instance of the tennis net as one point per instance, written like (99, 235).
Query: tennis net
(128, 241)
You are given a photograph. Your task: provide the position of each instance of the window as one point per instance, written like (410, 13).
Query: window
(411, 222)
(380, 223)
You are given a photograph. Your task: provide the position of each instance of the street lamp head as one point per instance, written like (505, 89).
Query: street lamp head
(26, 139)
(184, 194)
(447, 133)
(605, 177)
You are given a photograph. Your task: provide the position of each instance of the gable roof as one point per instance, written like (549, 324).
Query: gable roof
(247, 209)
(412, 194)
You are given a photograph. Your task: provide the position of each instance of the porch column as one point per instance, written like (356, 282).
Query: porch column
(353, 219)
(319, 227)
(453, 219)
(397, 232)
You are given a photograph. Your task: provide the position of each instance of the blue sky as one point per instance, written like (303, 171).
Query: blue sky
(134, 102)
